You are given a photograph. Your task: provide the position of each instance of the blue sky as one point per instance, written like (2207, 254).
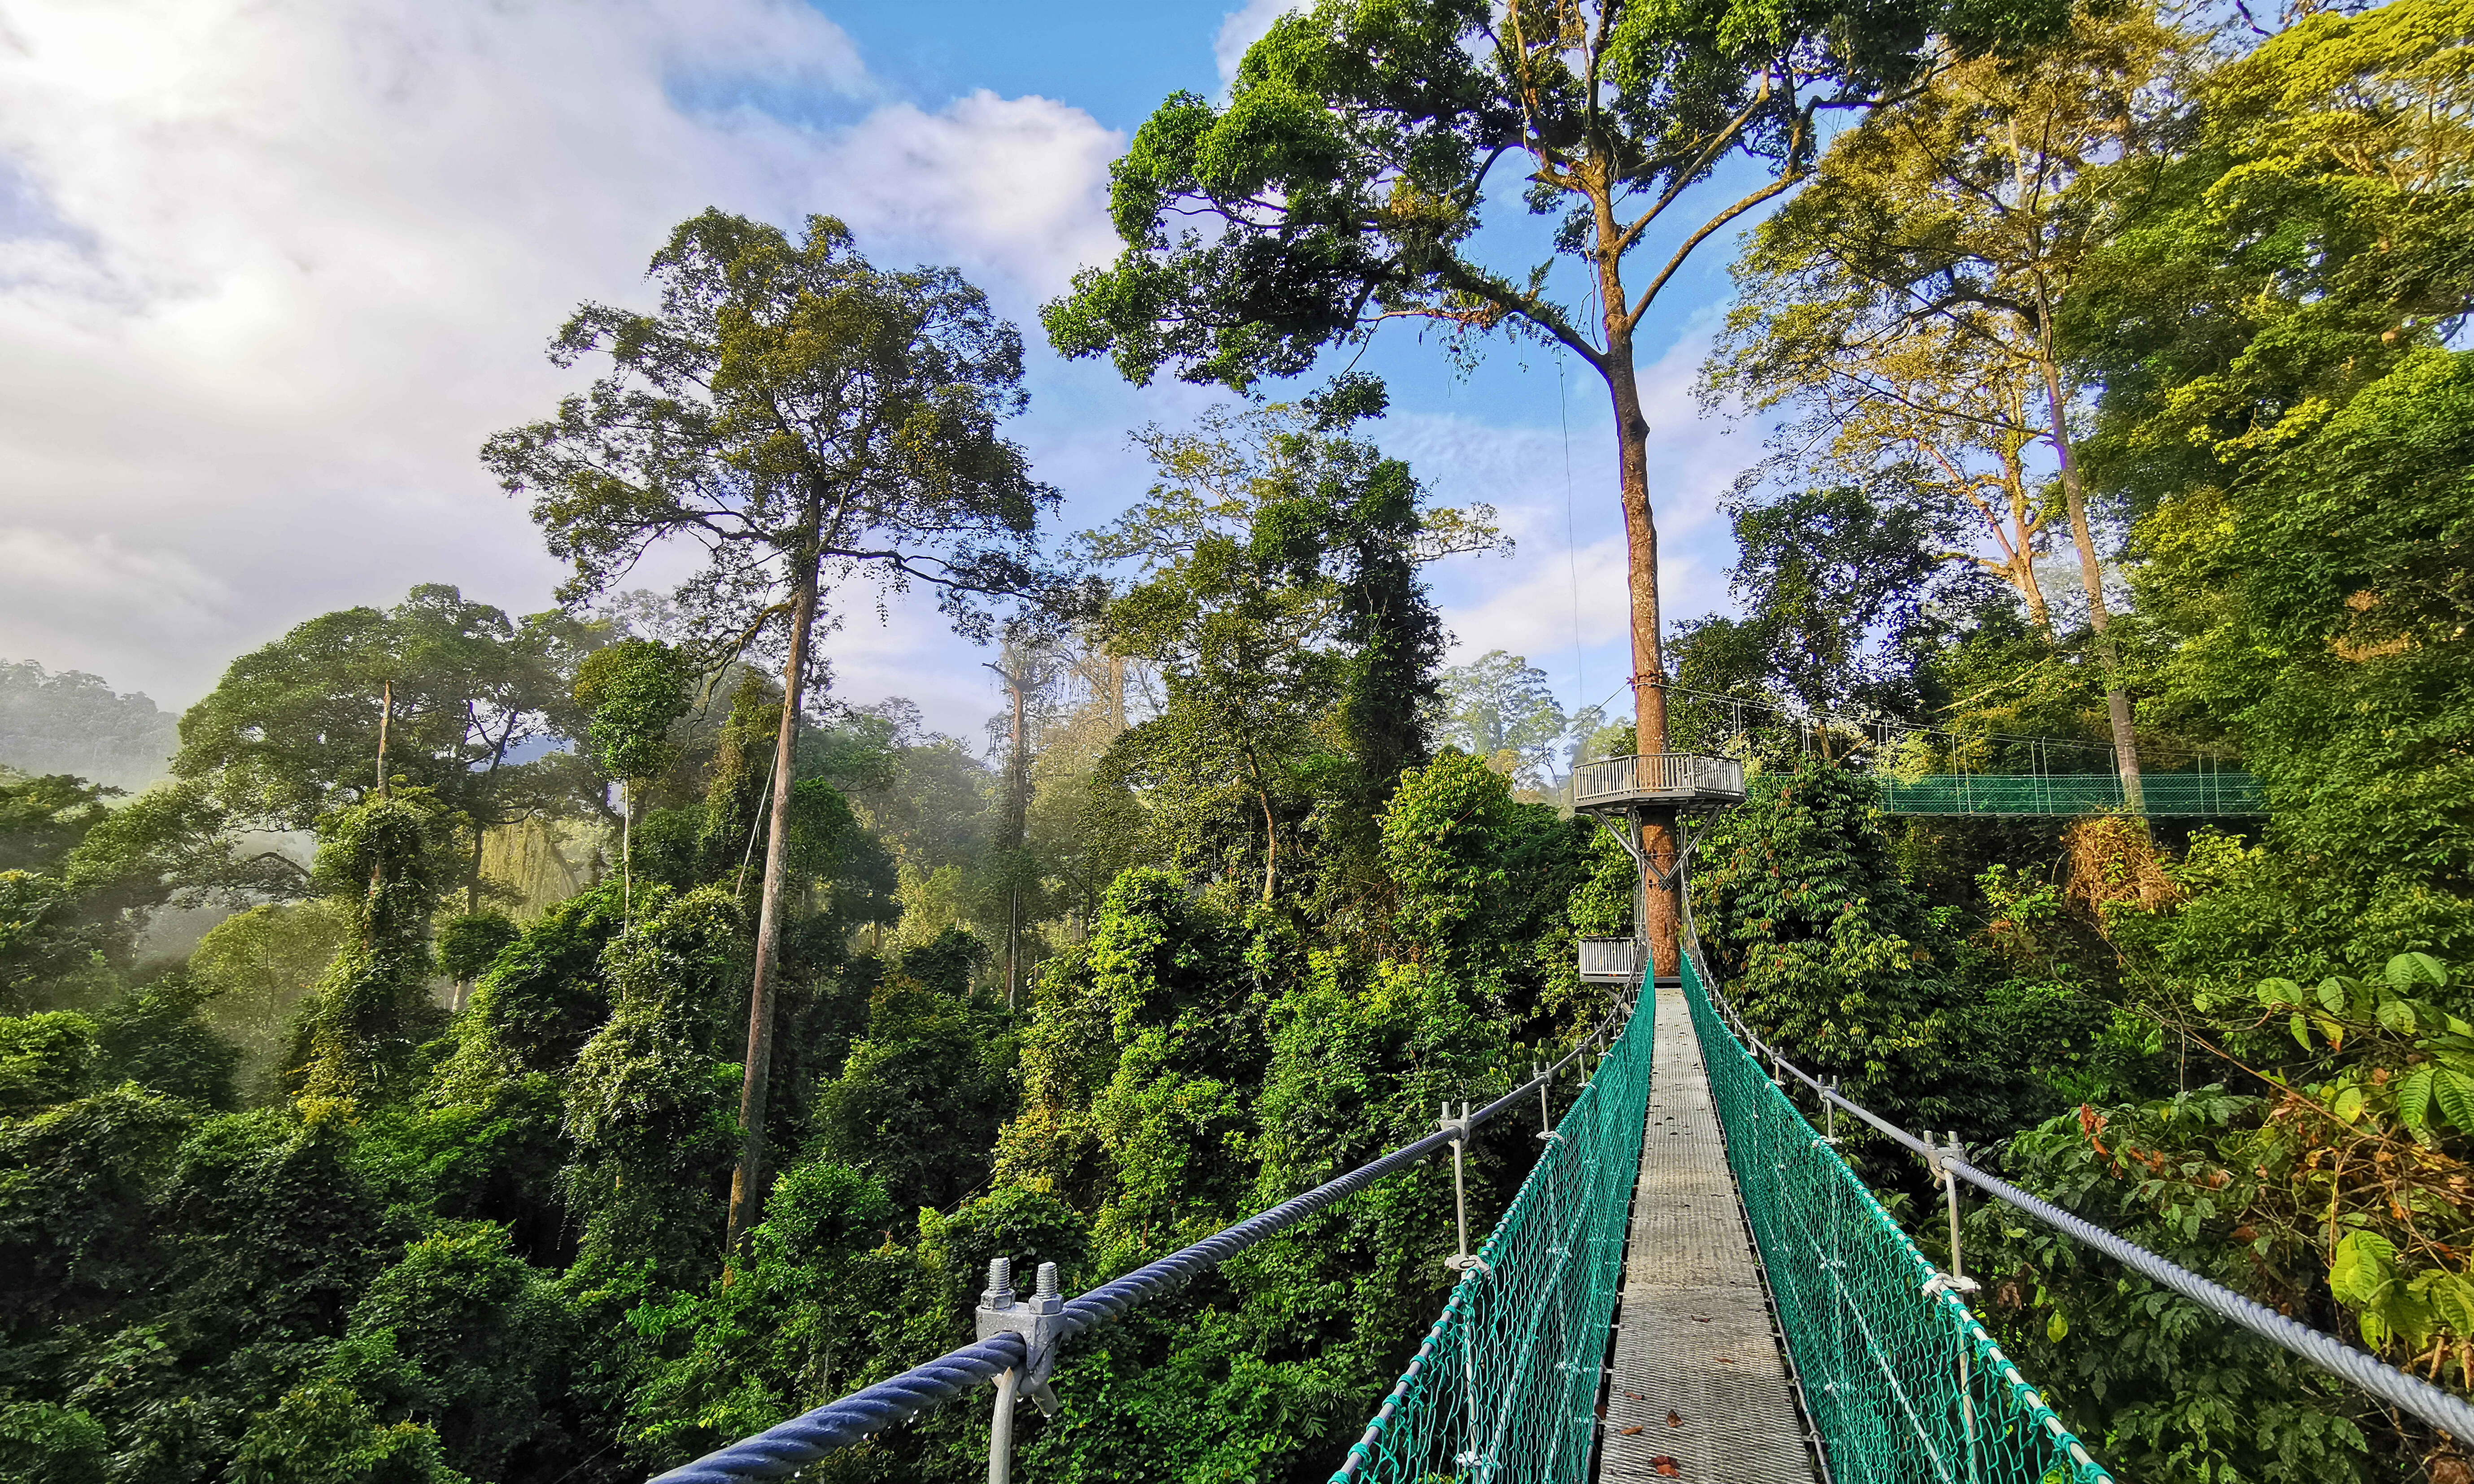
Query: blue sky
(270, 270)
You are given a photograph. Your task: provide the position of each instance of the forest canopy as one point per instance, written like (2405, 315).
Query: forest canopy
(614, 1038)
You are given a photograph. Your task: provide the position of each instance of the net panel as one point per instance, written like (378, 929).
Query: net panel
(1505, 1386)
(1902, 1381)
(2179, 794)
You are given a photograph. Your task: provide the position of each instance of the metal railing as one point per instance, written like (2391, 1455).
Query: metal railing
(2449, 1412)
(1610, 960)
(1028, 1351)
(2176, 795)
(1657, 776)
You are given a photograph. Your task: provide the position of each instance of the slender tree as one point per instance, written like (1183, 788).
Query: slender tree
(1345, 181)
(1951, 222)
(810, 421)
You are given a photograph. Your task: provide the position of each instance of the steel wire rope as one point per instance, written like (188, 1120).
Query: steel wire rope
(2451, 1414)
(790, 1446)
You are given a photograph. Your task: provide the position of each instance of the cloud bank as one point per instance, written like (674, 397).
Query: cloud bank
(270, 272)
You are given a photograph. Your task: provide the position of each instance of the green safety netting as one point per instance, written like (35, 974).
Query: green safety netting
(1506, 1384)
(1902, 1381)
(2181, 795)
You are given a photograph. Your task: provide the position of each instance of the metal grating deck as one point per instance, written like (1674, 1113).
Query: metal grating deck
(1694, 1341)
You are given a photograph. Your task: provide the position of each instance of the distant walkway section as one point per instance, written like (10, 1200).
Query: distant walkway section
(2162, 795)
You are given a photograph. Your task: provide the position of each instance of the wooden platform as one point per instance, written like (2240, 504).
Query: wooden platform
(1699, 1378)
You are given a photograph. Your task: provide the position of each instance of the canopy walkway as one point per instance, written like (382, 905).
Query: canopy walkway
(2162, 795)
(1689, 1284)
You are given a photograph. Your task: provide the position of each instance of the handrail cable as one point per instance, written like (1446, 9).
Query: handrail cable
(788, 1447)
(2450, 1414)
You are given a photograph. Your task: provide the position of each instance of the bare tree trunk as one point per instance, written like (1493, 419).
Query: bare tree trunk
(386, 714)
(747, 1183)
(1271, 845)
(1017, 682)
(1018, 825)
(1116, 693)
(2117, 700)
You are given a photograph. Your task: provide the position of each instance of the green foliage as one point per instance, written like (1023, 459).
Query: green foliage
(158, 1035)
(380, 863)
(79, 1228)
(44, 1443)
(468, 944)
(44, 1059)
(919, 1100)
(461, 1333)
(52, 724)
(291, 730)
(650, 1103)
(325, 1435)
(543, 996)
(259, 964)
(41, 818)
(1282, 600)
(895, 381)
(634, 690)
(1499, 703)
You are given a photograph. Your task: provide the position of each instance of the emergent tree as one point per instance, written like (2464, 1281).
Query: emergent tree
(810, 421)
(1345, 181)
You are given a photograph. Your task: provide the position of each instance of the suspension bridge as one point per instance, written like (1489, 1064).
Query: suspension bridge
(1689, 1284)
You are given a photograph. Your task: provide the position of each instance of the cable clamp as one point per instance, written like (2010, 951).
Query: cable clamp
(1553, 1137)
(1459, 1129)
(1040, 1321)
(1463, 1261)
(1950, 1282)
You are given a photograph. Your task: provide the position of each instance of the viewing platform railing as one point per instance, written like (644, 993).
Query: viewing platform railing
(1683, 777)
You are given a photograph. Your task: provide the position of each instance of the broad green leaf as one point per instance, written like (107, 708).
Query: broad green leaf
(2455, 1091)
(2348, 1105)
(2279, 992)
(2409, 972)
(2301, 1029)
(2362, 1269)
(2057, 1327)
(2331, 994)
(2451, 1297)
(2397, 1015)
(2413, 1095)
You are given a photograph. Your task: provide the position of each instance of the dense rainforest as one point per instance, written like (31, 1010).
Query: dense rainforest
(607, 1038)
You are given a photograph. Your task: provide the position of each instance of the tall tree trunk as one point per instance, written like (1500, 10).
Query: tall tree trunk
(1271, 845)
(386, 714)
(1017, 682)
(747, 1181)
(1018, 829)
(2117, 700)
(1664, 927)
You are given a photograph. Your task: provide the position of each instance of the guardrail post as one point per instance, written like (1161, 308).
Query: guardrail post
(1461, 1258)
(1950, 1152)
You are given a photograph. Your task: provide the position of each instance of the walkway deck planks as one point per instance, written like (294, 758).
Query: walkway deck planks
(1694, 1341)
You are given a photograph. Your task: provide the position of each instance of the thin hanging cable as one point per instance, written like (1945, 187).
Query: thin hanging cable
(1571, 537)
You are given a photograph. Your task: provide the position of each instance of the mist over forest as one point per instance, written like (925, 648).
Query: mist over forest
(545, 1046)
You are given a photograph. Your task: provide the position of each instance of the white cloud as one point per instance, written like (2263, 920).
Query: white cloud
(1568, 529)
(1242, 28)
(271, 270)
